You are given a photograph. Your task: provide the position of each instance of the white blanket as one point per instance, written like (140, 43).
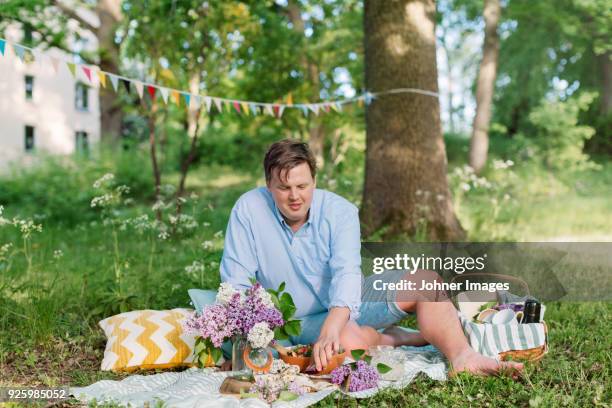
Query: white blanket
(199, 388)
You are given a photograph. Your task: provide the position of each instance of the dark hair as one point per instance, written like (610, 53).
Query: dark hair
(286, 154)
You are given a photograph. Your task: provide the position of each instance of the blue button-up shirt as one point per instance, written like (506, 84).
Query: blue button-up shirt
(320, 263)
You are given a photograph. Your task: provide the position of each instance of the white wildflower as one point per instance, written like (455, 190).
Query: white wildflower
(260, 335)
(101, 201)
(58, 254)
(218, 234)
(104, 179)
(206, 224)
(195, 268)
(465, 186)
(225, 293)
(163, 235)
(206, 245)
(159, 205)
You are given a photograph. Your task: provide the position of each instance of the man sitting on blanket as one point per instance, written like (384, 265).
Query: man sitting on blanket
(309, 238)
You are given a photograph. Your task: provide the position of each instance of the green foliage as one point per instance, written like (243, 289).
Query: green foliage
(284, 302)
(559, 139)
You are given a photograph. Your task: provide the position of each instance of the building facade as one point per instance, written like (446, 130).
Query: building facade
(44, 110)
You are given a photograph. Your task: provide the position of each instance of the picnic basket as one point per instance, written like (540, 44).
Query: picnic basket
(532, 354)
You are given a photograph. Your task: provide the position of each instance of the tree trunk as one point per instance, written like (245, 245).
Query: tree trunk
(405, 181)
(605, 65)
(111, 114)
(479, 145)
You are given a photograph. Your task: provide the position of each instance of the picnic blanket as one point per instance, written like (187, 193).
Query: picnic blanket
(199, 388)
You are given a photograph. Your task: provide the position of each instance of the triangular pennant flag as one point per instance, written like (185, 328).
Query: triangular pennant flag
(55, 64)
(218, 104)
(304, 110)
(360, 102)
(102, 78)
(139, 88)
(228, 105)
(177, 97)
(314, 108)
(164, 94)
(254, 109)
(281, 109)
(245, 107)
(208, 103)
(326, 107)
(126, 84)
(19, 51)
(269, 110)
(2, 46)
(71, 68)
(236, 106)
(114, 81)
(151, 90)
(187, 98)
(336, 106)
(289, 100)
(87, 72)
(368, 98)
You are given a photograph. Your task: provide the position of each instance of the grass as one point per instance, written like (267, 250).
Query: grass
(50, 301)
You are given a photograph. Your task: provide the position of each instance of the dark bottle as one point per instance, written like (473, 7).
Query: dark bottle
(531, 314)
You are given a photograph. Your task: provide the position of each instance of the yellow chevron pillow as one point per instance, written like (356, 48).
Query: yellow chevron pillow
(147, 339)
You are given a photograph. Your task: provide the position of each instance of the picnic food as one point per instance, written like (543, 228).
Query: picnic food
(301, 356)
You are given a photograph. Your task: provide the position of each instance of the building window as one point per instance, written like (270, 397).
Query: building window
(81, 98)
(29, 87)
(29, 138)
(82, 143)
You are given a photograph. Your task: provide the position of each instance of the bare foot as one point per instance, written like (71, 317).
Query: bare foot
(472, 362)
(401, 337)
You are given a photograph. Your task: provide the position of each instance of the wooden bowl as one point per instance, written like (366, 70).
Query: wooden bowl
(305, 362)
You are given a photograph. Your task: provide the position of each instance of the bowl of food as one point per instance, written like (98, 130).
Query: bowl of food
(301, 356)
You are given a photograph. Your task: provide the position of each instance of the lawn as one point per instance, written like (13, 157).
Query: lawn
(57, 283)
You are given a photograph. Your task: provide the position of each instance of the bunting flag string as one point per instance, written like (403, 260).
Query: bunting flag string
(239, 106)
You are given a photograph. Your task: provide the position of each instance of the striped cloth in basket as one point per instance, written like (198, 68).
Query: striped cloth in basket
(492, 339)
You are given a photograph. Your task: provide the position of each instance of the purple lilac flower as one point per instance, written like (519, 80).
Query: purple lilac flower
(296, 388)
(246, 313)
(214, 323)
(363, 377)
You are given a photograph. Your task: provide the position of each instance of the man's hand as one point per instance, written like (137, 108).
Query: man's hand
(328, 342)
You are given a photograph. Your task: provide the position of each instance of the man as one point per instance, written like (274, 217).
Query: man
(292, 232)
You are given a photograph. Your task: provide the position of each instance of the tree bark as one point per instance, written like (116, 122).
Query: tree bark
(405, 181)
(605, 65)
(479, 144)
(111, 114)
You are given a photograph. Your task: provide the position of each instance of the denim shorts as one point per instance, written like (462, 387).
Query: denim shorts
(378, 309)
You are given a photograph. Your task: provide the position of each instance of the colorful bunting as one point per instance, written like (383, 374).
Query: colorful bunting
(26, 54)
(139, 88)
(102, 78)
(164, 94)
(71, 68)
(151, 90)
(218, 104)
(87, 72)
(114, 81)
(177, 97)
(245, 107)
(19, 51)
(126, 85)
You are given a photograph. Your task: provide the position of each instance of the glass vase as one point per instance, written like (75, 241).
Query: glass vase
(239, 344)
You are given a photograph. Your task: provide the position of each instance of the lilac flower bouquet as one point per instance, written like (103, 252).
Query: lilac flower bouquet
(360, 375)
(256, 314)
